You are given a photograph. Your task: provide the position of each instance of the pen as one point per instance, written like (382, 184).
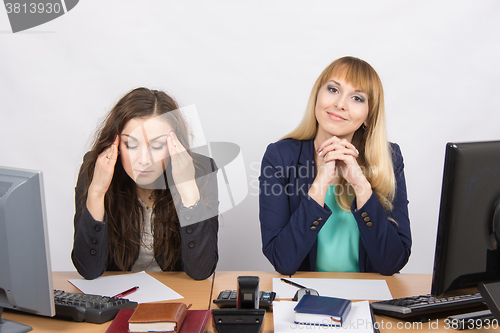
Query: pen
(292, 283)
(126, 292)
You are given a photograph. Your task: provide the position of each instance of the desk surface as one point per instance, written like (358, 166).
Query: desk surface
(194, 292)
(400, 285)
(201, 293)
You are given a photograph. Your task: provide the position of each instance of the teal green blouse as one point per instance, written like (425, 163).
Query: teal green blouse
(338, 240)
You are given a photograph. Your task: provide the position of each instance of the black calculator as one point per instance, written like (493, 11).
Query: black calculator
(227, 299)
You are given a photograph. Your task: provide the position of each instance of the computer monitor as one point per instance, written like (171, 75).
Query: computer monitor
(467, 249)
(25, 270)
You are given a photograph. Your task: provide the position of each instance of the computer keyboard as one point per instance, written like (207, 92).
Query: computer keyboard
(227, 299)
(424, 306)
(90, 308)
(478, 319)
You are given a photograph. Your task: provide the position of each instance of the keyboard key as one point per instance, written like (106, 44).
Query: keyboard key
(89, 308)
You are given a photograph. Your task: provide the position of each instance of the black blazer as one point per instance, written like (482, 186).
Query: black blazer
(199, 252)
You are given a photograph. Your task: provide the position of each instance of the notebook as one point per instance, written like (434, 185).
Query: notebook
(195, 321)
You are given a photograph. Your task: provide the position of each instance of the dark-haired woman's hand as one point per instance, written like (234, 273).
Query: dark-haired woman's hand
(183, 171)
(103, 174)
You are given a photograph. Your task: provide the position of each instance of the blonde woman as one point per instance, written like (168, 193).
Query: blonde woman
(333, 191)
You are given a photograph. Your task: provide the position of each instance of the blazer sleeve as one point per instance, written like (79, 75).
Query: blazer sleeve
(90, 243)
(387, 243)
(199, 227)
(288, 230)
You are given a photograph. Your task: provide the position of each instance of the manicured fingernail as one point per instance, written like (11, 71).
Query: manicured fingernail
(357, 151)
(321, 152)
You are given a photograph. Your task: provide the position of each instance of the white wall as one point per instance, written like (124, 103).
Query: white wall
(248, 67)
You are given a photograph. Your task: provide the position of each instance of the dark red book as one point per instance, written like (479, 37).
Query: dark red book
(120, 323)
(195, 321)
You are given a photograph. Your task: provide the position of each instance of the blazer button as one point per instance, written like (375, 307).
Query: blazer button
(315, 223)
(364, 214)
(367, 219)
(191, 245)
(313, 228)
(369, 224)
(320, 219)
(189, 230)
(93, 252)
(94, 241)
(97, 227)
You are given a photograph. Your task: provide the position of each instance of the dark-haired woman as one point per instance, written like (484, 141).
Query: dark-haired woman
(143, 201)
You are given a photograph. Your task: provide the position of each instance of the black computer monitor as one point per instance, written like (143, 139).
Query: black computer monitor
(25, 270)
(467, 249)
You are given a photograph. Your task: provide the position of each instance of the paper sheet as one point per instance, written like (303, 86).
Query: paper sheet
(353, 289)
(150, 289)
(358, 320)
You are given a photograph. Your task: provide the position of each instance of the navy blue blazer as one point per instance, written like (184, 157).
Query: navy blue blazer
(290, 219)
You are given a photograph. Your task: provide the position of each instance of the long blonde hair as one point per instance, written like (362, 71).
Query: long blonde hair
(371, 140)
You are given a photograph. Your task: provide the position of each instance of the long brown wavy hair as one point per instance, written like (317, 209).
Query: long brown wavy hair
(122, 207)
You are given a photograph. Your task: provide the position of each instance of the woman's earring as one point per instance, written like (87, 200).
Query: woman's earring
(364, 126)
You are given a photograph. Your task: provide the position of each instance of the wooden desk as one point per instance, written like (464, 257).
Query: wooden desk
(400, 285)
(201, 294)
(195, 292)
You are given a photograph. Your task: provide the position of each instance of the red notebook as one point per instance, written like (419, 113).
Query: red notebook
(195, 321)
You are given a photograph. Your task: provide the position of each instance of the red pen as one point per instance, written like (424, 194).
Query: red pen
(126, 292)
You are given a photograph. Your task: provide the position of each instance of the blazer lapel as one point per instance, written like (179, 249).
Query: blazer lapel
(306, 169)
(306, 175)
